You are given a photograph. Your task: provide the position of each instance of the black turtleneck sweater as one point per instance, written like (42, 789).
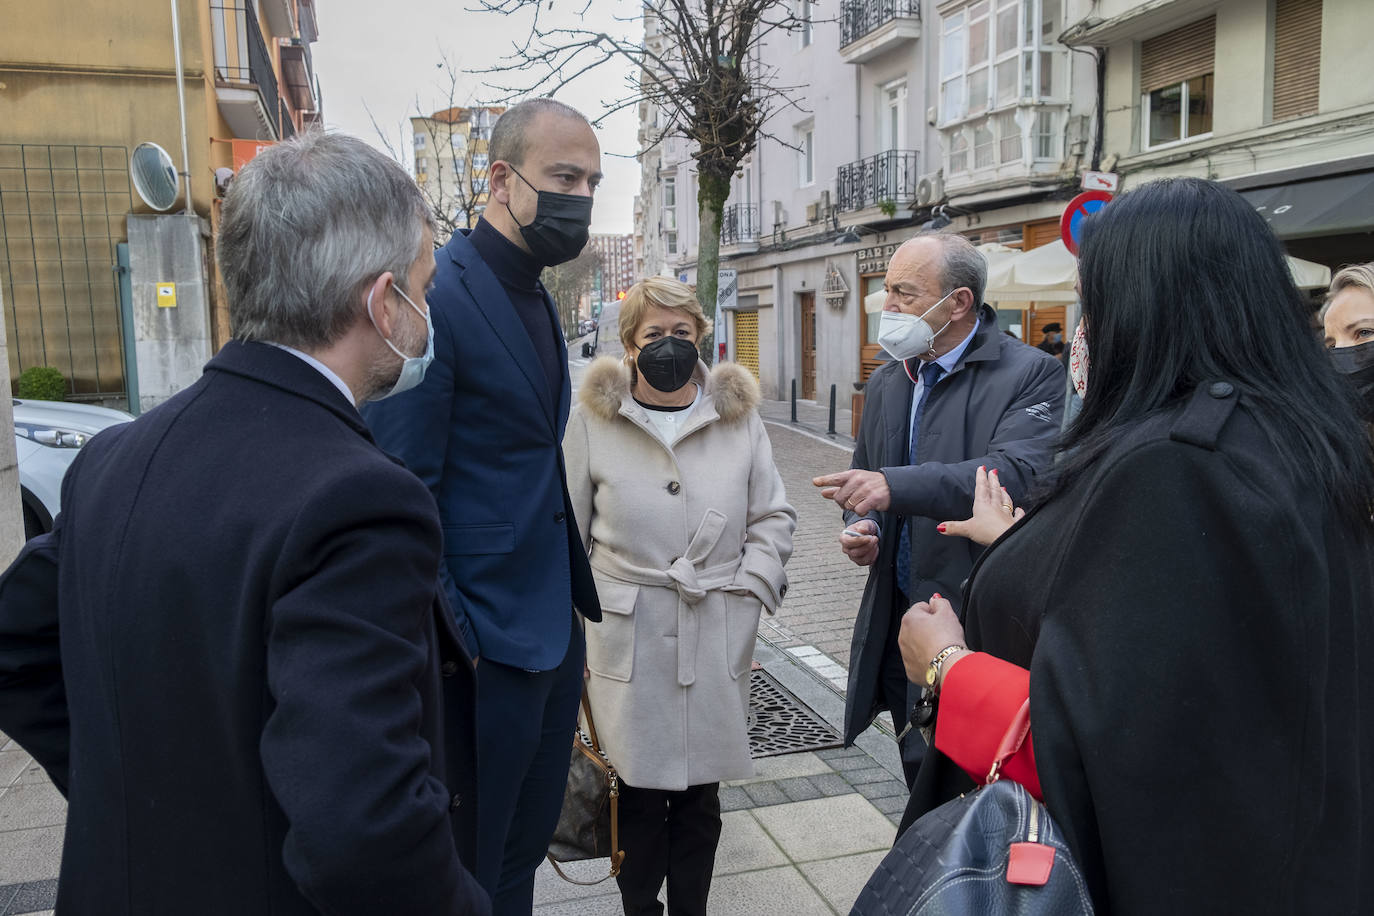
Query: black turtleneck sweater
(519, 275)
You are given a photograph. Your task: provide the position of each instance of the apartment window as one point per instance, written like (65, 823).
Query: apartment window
(670, 214)
(479, 162)
(419, 141)
(458, 143)
(1009, 147)
(1297, 57)
(997, 53)
(958, 153)
(1176, 83)
(1044, 136)
(806, 156)
(804, 34)
(892, 116)
(983, 145)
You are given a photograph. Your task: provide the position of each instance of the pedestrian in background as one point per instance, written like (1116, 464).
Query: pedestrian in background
(1348, 320)
(688, 529)
(483, 432)
(958, 394)
(1188, 609)
(232, 654)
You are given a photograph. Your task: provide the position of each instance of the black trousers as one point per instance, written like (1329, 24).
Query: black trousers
(899, 694)
(669, 835)
(525, 724)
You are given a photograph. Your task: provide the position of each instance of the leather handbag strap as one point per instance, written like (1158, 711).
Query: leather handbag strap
(594, 754)
(591, 726)
(1011, 741)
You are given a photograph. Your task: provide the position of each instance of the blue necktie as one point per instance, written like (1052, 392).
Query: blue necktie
(930, 374)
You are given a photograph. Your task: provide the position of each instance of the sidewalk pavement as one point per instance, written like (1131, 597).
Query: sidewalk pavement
(813, 418)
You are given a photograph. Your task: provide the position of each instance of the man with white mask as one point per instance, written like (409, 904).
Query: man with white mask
(958, 394)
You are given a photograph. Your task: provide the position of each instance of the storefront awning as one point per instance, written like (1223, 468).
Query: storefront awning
(1335, 205)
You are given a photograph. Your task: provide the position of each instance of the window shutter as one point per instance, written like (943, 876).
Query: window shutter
(1178, 55)
(1297, 57)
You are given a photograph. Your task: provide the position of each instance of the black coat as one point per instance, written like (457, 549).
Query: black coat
(233, 657)
(1195, 624)
(1000, 407)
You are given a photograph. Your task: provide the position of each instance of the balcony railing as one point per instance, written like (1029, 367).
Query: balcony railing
(241, 54)
(739, 223)
(888, 177)
(860, 17)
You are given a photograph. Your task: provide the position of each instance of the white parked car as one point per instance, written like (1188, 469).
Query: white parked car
(47, 436)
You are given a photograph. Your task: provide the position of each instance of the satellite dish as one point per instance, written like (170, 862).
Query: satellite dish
(154, 176)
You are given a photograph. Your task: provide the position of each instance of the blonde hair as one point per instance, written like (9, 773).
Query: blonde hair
(1359, 276)
(659, 292)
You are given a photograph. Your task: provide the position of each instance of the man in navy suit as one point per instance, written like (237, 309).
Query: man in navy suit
(232, 653)
(484, 432)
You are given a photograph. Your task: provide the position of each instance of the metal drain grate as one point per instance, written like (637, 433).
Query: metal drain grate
(779, 723)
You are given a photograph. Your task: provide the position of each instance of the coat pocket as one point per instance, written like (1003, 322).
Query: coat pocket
(611, 643)
(741, 628)
(470, 540)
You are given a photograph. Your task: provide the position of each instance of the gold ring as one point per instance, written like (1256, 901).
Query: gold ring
(1008, 507)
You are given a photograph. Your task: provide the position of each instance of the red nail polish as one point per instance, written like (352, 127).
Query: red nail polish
(936, 595)
(940, 528)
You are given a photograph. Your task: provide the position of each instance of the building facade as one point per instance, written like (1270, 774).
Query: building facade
(1275, 99)
(982, 116)
(912, 111)
(451, 163)
(616, 255)
(81, 254)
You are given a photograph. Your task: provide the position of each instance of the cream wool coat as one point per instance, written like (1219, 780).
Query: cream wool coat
(687, 542)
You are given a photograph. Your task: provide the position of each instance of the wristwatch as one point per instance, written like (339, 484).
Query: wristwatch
(933, 672)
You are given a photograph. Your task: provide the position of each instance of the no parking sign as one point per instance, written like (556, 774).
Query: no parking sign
(1071, 223)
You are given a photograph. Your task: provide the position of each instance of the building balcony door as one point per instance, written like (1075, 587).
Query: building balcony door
(808, 346)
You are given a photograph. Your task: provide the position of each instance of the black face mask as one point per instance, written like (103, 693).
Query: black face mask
(1357, 365)
(560, 228)
(668, 363)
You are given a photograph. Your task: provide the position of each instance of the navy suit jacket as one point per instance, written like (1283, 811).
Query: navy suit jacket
(485, 435)
(232, 655)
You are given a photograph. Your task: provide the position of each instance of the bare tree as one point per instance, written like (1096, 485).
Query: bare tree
(700, 65)
(456, 190)
(568, 282)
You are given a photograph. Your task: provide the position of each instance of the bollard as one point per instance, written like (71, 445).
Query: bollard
(794, 400)
(831, 430)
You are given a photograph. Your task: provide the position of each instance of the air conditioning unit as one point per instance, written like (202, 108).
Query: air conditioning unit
(813, 212)
(930, 189)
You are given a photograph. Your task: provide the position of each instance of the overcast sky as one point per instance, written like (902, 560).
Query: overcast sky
(380, 56)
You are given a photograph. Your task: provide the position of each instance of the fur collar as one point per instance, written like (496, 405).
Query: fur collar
(606, 386)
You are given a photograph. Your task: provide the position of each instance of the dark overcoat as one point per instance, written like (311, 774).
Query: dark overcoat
(233, 657)
(484, 433)
(1001, 407)
(1198, 630)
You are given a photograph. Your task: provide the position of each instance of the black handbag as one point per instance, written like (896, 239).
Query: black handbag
(993, 850)
(589, 824)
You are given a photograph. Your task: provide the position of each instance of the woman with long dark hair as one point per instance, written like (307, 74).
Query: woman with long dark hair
(1189, 602)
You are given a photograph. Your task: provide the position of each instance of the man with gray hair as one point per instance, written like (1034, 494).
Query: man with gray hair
(232, 654)
(957, 395)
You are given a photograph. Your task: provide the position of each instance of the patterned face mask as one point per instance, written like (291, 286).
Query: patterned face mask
(1078, 360)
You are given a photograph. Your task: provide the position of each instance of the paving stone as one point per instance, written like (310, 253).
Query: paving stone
(859, 761)
(892, 804)
(733, 798)
(784, 766)
(765, 793)
(831, 784)
(799, 789)
(33, 897)
(745, 846)
(837, 752)
(860, 777)
(827, 827)
(884, 789)
(840, 880)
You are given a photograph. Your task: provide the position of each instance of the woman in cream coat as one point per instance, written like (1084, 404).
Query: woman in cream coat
(687, 528)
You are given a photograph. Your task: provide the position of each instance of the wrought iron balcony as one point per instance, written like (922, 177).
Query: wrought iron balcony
(739, 223)
(242, 62)
(871, 27)
(887, 178)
